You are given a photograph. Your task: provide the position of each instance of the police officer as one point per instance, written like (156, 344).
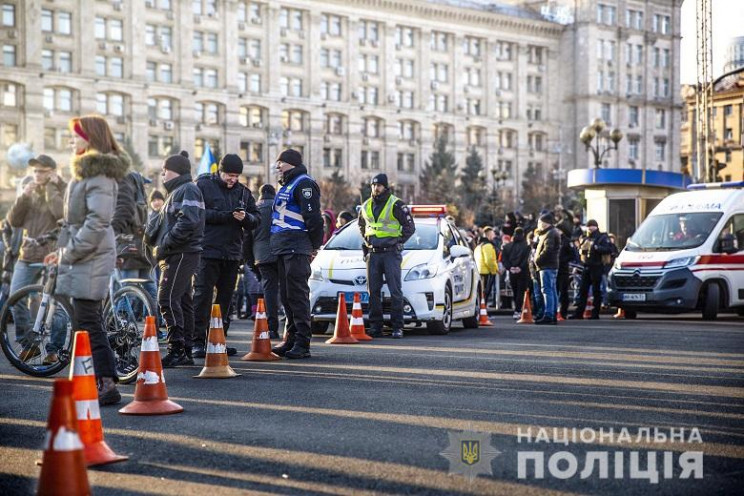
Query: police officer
(296, 235)
(386, 224)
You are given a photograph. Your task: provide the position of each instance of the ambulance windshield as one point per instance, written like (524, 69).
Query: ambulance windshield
(678, 231)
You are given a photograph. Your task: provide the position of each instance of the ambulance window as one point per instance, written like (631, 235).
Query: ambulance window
(734, 227)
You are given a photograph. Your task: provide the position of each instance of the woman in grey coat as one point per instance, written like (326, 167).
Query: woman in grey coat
(87, 246)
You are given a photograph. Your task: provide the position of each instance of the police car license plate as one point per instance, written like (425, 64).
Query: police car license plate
(634, 297)
(363, 296)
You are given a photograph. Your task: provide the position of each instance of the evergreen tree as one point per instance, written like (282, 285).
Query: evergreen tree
(537, 192)
(472, 184)
(439, 175)
(336, 193)
(137, 163)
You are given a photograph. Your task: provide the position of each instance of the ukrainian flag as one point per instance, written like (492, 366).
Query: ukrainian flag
(208, 163)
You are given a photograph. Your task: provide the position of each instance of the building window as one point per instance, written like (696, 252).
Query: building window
(439, 41)
(292, 120)
(64, 23)
(660, 119)
(633, 148)
(9, 55)
(9, 96)
(728, 110)
(472, 76)
(472, 46)
(251, 152)
(370, 159)
(160, 108)
(633, 116)
(290, 19)
(473, 106)
(8, 15)
(64, 61)
(504, 110)
(251, 117)
(406, 162)
(207, 113)
(332, 157)
(406, 130)
(606, 14)
(110, 104)
(372, 127)
(503, 50)
(369, 31)
(534, 84)
(476, 136)
(334, 124)
(330, 25)
(607, 113)
(535, 55)
(660, 150)
(503, 81)
(404, 37)
(58, 99)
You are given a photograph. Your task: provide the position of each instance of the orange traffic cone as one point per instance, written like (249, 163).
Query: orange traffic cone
(216, 364)
(357, 321)
(150, 393)
(484, 312)
(342, 334)
(85, 394)
(261, 346)
(526, 310)
(589, 307)
(63, 466)
(620, 314)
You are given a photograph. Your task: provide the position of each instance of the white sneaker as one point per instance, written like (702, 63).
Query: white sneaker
(517, 315)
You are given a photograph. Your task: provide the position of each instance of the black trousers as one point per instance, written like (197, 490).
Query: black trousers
(293, 273)
(213, 273)
(518, 283)
(270, 284)
(590, 277)
(88, 316)
(562, 285)
(385, 264)
(175, 298)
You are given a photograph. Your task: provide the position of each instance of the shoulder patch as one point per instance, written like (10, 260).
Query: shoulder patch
(307, 193)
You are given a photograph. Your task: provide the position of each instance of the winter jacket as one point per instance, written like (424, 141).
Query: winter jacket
(36, 215)
(262, 234)
(128, 228)
(548, 249)
(517, 254)
(485, 259)
(88, 248)
(179, 225)
(401, 213)
(223, 234)
(301, 242)
(593, 247)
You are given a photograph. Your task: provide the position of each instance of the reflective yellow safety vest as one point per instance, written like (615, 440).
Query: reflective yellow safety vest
(386, 226)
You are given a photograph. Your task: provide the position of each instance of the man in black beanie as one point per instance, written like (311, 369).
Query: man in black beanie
(386, 224)
(175, 233)
(296, 235)
(230, 209)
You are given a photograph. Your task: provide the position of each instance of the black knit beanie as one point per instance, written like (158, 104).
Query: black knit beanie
(179, 164)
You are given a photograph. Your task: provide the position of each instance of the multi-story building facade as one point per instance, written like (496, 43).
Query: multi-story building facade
(727, 126)
(734, 55)
(358, 86)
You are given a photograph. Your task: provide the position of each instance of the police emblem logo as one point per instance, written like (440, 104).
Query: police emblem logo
(470, 451)
(307, 193)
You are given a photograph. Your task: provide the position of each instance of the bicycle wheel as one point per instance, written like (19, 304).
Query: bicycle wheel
(31, 351)
(124, 322)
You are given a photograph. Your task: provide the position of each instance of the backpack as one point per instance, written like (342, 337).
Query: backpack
(140, 204)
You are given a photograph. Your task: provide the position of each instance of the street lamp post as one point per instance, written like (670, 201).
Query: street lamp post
(601, 147)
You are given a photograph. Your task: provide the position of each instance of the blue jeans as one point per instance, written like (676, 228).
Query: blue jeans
(550, 294)
(26, 274)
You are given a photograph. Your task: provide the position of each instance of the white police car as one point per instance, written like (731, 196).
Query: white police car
(440, 280)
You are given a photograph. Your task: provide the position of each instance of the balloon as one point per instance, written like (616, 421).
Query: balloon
(18, 155)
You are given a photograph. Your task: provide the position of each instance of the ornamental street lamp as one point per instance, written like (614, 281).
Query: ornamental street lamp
(593, 132)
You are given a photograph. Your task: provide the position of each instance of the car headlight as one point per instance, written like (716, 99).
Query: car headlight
(423, 271)
(317, 275)
(680, 262)
(617, 265)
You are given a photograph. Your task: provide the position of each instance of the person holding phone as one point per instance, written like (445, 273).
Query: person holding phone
(230, 210)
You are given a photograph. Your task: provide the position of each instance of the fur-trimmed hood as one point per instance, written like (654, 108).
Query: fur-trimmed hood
(93, 163)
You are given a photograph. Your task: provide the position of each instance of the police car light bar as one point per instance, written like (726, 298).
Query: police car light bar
(726, 185)
(428, 210)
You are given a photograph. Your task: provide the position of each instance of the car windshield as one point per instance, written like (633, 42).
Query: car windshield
(349, 238)
(678, 231)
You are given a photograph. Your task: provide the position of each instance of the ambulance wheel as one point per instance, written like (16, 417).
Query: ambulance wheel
(712, 301)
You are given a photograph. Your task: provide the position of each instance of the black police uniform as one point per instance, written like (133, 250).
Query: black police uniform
(384, 261)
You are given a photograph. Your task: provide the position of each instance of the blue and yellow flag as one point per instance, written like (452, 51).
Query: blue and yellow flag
(208, 163)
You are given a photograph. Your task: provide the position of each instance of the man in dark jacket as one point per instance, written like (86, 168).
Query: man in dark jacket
(565, 258)
(516, 259)
(177, 232)
(296, 235)
(229, 209)
(386, 224)
(594, 247)
(546, 261)
(264, 260)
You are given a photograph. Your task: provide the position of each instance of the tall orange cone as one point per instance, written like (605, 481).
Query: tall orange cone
(484, 313)
(150, 393)
(216, 363)
(526, 310)
(85, 394)
(261, 346)
(63, 465)
(620, 314)
(356, 324)
(589, 307)
(342, 334)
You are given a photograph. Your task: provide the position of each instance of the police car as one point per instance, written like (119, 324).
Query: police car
(440, 280)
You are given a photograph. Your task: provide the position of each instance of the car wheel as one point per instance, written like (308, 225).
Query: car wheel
(443, 327)
(319, 327)
(712, 301)
(472, 322)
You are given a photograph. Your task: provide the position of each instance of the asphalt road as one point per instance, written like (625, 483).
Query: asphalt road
(374, 418)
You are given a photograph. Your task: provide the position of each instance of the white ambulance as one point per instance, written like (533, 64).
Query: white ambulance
(688, 255)
(440, 280)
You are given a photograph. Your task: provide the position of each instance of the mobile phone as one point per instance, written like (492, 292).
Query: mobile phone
(238, 209)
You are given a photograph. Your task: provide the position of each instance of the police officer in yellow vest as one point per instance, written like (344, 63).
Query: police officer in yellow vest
(386, 224)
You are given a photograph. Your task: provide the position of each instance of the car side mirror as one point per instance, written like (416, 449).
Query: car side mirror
(727, 244)
(458, 251)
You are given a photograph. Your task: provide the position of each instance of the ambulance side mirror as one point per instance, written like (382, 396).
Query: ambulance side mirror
(727, 244)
